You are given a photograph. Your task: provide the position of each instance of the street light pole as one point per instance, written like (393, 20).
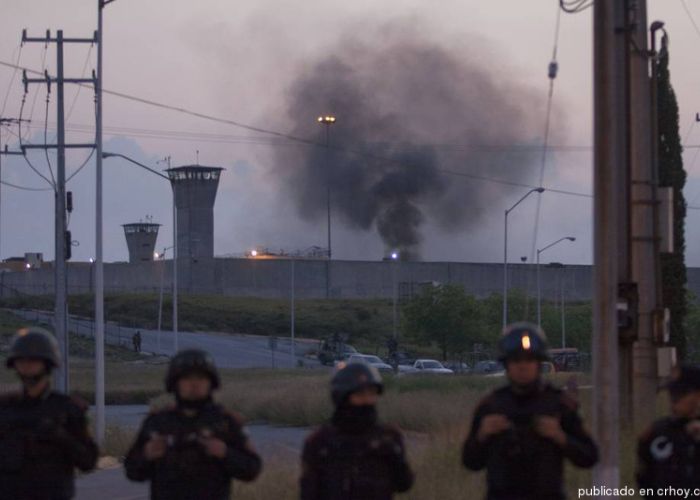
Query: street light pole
(505, 253)
(99, 260)
(327, 121)
(153, 171)
(395, 262)
(539, 288)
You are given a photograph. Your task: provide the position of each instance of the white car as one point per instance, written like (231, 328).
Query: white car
(430, 366)
(370, 360)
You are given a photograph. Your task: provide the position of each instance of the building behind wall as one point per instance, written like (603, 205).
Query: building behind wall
(141, 239)
(194, 188)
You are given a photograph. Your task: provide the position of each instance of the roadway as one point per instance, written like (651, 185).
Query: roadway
(228, 350)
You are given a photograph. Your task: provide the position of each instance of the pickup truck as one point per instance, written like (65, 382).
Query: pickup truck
(425, 366)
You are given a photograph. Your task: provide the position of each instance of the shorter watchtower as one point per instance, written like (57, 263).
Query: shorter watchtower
(141, 239)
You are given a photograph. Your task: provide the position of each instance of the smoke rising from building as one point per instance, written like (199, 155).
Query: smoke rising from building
(408, 109)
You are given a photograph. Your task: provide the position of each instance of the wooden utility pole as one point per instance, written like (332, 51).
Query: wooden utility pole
(644, 240)
(610, 157)
(62, 236)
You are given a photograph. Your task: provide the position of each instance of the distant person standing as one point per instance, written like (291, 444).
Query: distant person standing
(192, 450)
(522, 432)
(669, 451)
(354, 457)
(136, 340)
(43, 434)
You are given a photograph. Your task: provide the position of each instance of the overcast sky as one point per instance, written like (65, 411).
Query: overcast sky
(237, 60)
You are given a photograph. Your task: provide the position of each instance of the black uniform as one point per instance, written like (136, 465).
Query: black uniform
(42, 440)
(669, 456)
(354, 464)
(186, 472)
(521, 464)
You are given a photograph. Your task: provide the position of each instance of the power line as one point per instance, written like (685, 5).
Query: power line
(690, 17)
(24, 153)
(18, 50)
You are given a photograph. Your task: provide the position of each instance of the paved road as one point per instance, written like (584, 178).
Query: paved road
(111, 483)
(228, 350)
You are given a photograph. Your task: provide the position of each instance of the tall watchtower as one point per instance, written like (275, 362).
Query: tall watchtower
(141, 239)
(194, 187)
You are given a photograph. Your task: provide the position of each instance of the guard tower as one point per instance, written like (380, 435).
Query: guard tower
(194, 187)
(141, 239)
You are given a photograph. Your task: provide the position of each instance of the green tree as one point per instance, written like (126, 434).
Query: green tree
(672, 174)
(446, 316)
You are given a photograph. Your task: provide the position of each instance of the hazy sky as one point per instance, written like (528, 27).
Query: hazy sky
(237, 60)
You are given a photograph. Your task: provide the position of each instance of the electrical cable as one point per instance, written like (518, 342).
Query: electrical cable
(24, 152)
(18, 50)
(79, 87)
(36, 92)
(690, 17)
(46, 150)
(575, 6)
(92, 151)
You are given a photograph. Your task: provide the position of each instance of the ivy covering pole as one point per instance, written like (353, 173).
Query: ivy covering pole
(672, 174)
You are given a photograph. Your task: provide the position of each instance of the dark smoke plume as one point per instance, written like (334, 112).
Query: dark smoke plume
(407, 110)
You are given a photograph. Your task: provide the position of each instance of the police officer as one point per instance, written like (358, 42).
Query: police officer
(43, 434)
(522, 432)
(354, 457)
(669, 451)
(192, 450)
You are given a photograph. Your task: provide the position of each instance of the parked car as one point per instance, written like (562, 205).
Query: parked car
(428, 366)
(458, 367)
(370, 359)
(488, 368)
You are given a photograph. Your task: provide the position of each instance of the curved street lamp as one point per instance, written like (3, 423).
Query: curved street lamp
(539, 290)
(505, 253)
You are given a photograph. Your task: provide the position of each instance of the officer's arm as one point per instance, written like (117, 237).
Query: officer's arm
(136, 466)
(241, 461)
(310, 480)
(402, 475)
(474, 453)
(579, 447)
(80, 446)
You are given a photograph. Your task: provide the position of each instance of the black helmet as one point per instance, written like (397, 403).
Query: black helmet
(685, 379)
(189, 361)
(34, 342)
(523, 338)
(353, 377)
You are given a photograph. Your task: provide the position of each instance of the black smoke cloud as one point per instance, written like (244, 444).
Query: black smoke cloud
(408, 109)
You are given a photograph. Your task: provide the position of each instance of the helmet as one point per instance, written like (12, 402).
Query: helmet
(685, 379)
(353, 377)
(189, 361)
(34, 342)
(523, 338)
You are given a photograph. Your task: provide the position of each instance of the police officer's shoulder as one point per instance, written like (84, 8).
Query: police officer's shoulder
(9, 398)
(391, 429)
(566, 400)
(658, 426)
(162, 409)
(234, 419)
(487, 401)
(79, 403)
(319, 436)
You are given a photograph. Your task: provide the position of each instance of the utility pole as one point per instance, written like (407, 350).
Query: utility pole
(6, 121)
(644, 242)
(61, 233)
(610, 160)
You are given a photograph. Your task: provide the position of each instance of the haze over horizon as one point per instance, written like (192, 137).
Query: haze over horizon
(242, 63)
